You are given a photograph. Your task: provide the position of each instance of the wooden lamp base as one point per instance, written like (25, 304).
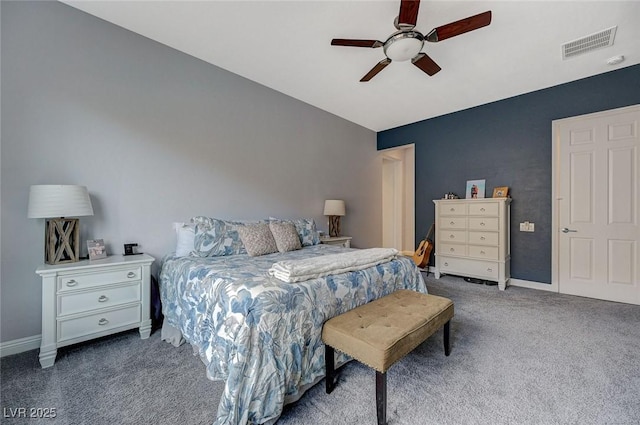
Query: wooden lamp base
(61, 240)
(334, 226)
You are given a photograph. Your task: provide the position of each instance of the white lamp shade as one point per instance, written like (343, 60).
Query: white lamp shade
(334, 207)
(48, 201)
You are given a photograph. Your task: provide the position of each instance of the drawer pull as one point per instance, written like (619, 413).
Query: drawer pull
(452, 249)
(482, 209)
(72, 282)
(103, 321)
(482, 238)
(446, 264)
(489, 270)
(103, 298)
(452, 236)
(131, 275)
(482, 224)
(482, 252)
(452, 209)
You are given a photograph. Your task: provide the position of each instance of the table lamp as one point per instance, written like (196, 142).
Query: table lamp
(334, 208)
(61, 235)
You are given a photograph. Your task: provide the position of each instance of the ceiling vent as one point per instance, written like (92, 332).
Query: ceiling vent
(591, 42)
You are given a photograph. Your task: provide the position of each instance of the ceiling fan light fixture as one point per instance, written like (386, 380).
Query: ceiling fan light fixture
(407, 43)
(403, 46)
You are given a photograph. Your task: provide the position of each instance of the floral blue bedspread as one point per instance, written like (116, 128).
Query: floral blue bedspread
(260, 335)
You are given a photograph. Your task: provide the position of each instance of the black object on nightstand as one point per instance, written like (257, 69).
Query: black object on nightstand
(129, 248)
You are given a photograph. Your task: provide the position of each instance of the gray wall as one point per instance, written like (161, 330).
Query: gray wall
(157, 136)
(508, 143)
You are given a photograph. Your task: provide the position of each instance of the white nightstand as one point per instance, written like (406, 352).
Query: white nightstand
(344, 241)
(90, 299)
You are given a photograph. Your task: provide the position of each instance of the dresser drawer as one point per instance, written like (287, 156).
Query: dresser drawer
(80, 327)
(453, 209)
(483, 238)
(76, 281)
(467, 267)
(78, 302)
(483, 223)
(459, 236)
(452, 249)
(483, 208)
(453, 223)
(484, 252)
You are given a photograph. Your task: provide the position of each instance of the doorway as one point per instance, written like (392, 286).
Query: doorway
(398, 198)
(596, 201)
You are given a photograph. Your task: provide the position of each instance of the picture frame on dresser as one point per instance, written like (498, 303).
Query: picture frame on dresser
(500, 191)
(475, 189)
(96, 249)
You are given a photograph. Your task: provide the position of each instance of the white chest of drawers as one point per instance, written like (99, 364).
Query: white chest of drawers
(90, 299)
(473, 238)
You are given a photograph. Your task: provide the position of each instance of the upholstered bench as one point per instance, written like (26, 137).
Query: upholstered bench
(383, 331)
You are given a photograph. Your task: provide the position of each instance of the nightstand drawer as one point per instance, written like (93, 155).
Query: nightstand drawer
(484, 252)
(453, 223)
(453, 236)
(484, 238)
(80, 302)
(483, 208)
(76, 281)
(452, 249)
(343, 241)
(83, 326)
(482, 223)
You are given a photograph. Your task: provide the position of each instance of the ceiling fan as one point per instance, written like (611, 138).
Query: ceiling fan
(406, 43)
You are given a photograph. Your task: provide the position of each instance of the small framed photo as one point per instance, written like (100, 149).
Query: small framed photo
(475, 189)
(500, 192)
(96, 249)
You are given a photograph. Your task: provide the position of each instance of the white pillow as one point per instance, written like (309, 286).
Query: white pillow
(185, 238)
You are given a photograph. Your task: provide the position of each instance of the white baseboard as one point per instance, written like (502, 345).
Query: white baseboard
(21, 345)
(533, 285)
(521, 283)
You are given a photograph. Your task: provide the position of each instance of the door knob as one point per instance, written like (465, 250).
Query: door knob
(565, 230)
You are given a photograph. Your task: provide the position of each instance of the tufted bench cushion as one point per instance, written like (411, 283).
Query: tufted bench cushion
(383, 331)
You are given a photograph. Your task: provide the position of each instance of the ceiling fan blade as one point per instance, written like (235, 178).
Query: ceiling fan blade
(408, 12)
(459, 27)
(356, 43)
(379, 67)
(426, 64)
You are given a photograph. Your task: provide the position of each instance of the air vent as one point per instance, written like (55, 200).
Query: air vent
(591, 42)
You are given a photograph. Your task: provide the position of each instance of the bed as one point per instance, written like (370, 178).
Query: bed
(260, 335)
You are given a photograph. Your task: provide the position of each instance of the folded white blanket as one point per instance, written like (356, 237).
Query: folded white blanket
(324, 265)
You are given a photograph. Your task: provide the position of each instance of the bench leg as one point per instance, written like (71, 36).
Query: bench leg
(381, 397)
(329, 368)
(447, 346)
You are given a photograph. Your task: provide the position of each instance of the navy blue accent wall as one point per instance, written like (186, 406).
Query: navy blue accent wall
(508, 143)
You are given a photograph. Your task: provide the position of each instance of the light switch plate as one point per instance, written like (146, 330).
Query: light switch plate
(527, 226)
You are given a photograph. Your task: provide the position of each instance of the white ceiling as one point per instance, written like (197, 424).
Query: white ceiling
(285, 45)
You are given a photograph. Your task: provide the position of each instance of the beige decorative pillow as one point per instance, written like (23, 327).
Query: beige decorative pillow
(257, 239)
(286, 236)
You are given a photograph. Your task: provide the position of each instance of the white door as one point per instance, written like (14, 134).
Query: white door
(398, 198)
(392, 202)
(598, 194)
